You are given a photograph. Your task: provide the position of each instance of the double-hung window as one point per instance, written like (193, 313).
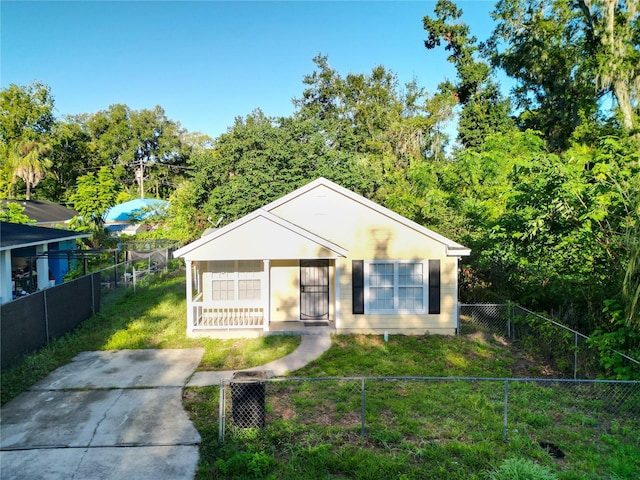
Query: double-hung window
(395, 286)
(234, 281)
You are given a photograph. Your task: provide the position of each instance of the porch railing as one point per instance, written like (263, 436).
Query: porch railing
(210, 315)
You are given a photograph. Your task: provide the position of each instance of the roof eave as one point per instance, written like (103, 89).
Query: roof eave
(41, 242)
(458, 251)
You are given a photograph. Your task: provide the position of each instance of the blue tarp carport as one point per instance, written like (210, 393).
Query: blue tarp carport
(135, 210)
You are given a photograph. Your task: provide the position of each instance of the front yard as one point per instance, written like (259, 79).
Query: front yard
(413, 428)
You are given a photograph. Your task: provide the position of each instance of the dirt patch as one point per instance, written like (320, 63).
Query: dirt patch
(524, 365)
(307, 411)
(487, 338)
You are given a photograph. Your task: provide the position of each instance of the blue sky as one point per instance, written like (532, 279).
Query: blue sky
(208, 62)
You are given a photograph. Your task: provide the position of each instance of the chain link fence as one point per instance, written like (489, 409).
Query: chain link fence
(563, 414)
(494, 317)
(571, 352)
(139, 268)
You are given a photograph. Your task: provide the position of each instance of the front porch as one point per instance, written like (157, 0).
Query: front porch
(253, 298)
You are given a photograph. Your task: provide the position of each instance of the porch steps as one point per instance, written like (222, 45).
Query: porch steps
(315, 323)
(300, 328)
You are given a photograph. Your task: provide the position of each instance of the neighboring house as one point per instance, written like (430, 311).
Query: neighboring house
(322, 255)
(33, 258)
(127, 218)
(44, 213)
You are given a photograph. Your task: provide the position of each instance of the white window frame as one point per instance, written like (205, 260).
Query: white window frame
(236, 277)
(396, 286)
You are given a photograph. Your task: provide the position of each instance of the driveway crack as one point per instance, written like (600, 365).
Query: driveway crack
(95, 430)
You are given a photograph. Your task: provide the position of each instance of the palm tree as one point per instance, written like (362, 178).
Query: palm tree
(29, 162)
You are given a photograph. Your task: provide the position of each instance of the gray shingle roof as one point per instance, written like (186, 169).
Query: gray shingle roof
(15, 235)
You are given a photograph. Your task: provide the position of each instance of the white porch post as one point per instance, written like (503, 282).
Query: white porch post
(266, 294)
(336, 274)
(42, 266)
(456, 306)
(6, 290)
(190, 320)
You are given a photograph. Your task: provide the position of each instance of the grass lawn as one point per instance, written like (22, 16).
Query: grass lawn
(423, 429)
(153, 317)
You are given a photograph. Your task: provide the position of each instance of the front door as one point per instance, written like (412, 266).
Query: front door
(314, 289)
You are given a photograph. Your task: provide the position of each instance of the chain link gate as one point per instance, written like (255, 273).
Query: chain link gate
(493, 317)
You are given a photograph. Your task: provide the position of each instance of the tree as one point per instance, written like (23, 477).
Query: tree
(139, 145)
(14, 213)
(94, 195)
(26, 112)
(566, 58)
(26, 118)
(484, 111)
(70, 157)
(29, 161)
(613, 26)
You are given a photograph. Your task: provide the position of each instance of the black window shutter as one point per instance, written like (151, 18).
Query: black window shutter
(434, 286)
(357, 283)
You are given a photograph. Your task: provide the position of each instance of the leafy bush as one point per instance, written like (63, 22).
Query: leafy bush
(246, 465)
(622, 338)
(521, 469)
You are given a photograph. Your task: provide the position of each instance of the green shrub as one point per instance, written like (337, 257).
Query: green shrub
(521, 469)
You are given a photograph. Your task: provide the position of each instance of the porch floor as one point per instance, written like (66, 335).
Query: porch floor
(293, 327)
(299, 328)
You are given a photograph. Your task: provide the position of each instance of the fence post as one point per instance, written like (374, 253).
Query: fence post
(506, 410)
(93, 295)
(46, 314)
(362, 410)
(509, 315)
(575, 356)
(221, 411)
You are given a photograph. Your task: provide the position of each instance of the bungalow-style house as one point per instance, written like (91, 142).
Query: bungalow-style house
(322, 255)
(33, 258)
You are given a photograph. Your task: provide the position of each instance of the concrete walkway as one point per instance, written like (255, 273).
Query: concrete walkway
(311, 347)
(111, 415)
(117, 415)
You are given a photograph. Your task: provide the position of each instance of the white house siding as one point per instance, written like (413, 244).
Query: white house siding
(257, 240)
(285, 281)
(368, 235)
(6, 290)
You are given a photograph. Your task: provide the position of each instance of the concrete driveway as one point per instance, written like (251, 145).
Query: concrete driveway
(113, 415)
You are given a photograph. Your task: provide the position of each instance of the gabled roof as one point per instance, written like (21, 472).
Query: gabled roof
(15, 235)
(260, 215)
(43, 211)
(454, 249)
